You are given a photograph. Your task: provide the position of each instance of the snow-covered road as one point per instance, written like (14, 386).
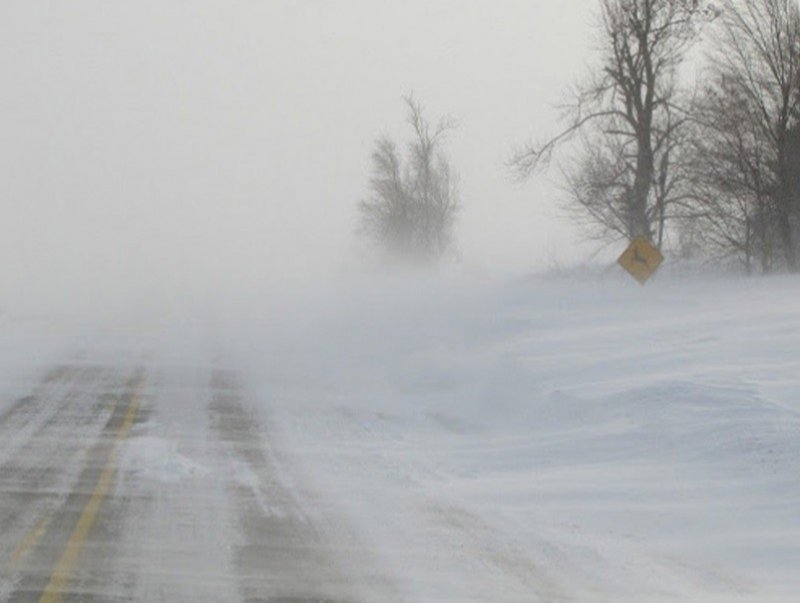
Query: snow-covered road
(148, 483)
(546, 440)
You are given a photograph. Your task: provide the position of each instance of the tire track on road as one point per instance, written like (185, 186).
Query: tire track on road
(35, 457)
(281, 556)
(47, 575)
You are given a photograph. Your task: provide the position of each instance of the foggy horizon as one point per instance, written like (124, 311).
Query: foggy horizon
(154, 146)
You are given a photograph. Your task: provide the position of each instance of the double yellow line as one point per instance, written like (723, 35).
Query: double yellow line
(63, 569)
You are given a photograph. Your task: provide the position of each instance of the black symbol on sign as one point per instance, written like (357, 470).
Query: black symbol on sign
(638, 258)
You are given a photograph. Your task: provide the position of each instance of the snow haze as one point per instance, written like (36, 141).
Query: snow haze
(156, 148)
(186, 310)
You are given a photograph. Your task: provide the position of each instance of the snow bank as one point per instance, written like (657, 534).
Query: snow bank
(552, 439)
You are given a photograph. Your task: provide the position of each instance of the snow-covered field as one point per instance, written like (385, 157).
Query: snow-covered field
(575, 438)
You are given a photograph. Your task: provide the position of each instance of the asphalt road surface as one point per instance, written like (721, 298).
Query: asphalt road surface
(135, 484)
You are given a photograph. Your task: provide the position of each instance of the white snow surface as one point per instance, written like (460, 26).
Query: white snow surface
(553, 439)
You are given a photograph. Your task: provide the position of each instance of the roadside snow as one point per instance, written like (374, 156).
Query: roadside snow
(552, 439)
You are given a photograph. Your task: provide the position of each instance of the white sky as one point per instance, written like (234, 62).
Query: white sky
(154, 141)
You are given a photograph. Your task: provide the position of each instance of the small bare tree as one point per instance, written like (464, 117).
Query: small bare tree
(621, 182)
(412, 205)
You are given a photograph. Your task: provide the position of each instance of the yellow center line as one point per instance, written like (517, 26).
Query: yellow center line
(69, 558)
(36, 532)
(30, 541)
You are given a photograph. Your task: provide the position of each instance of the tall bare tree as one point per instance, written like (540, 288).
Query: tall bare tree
(731, 183)
(413, 202)
(749, 144)
(627, 115)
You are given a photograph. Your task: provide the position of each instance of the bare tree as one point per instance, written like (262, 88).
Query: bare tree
(412, 206)
(749, 146)
(628, 117)
(732, 189)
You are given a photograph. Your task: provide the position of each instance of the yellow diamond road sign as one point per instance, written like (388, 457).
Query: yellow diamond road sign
(641, 259)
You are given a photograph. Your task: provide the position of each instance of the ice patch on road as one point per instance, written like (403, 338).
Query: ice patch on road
(158, 459)
(246, 478)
